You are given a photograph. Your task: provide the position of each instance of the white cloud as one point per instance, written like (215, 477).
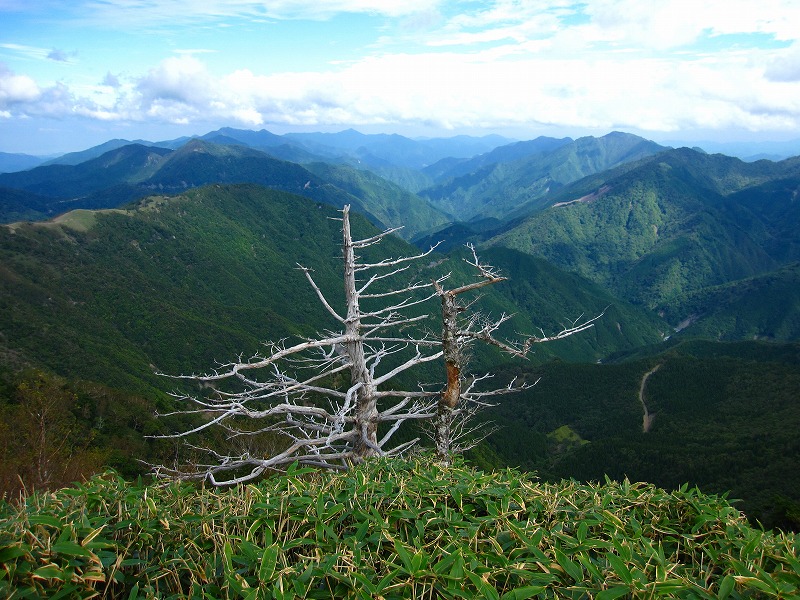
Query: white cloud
(785, 66)
(448, 90)
(604, 64)
(180, 79)
(27, 51)
(634, 24)
(16, 89)
(111, 80)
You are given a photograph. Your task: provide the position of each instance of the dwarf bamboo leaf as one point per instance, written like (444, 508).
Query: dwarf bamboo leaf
(68, 548)
(485, 589)
(620, 568)
(612, 593)
(49, 572)
(570, 567)
(269, 560)
(523, 593)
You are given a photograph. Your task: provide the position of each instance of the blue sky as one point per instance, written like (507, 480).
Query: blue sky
(74, 74)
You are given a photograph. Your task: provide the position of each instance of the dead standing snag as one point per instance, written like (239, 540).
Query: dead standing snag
(460, 326)
(283, 387)
(291, 390)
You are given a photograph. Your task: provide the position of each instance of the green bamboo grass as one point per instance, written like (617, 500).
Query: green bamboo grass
(389, 529)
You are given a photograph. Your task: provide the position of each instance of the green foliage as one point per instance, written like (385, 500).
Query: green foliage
(501, 189)
(543, 297)
(644, 238)
(662, 231)
(54, 431)
(725, 418)
(177, 284)
(385, 202)
(391, 529)
(761, 307)
(19, 205)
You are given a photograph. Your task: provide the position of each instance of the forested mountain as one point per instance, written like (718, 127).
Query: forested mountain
(658, 231)
(497, 189)
(188, 256)
(10, 162)
(722, 416)
(396, 150)
(452, 167)
(760, 307)
(19, 205)
(76, 158)
(128, 164)
(176, 284)
(179, 282)
(134, 171)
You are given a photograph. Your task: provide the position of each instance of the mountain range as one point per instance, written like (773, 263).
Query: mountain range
(136, 257)
(690, 238)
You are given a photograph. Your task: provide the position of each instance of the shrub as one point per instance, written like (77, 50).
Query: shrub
(391, 529)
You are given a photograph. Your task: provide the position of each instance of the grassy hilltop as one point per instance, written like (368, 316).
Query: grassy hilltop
(390, 529)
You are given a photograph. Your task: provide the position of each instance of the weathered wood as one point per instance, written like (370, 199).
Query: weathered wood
(346, 432)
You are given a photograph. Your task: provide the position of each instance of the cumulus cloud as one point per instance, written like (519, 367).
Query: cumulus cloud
(183, 79)
(628, 64)
(111, 80)
(16, 89)
(451, 90)
(447, 90)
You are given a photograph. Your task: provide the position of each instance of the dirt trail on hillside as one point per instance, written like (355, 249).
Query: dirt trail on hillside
(647, 418)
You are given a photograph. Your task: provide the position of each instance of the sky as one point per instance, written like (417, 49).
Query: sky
(76, 73)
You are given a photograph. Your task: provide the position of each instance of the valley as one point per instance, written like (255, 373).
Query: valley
(137, 258)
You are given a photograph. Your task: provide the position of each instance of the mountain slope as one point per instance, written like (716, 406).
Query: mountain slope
(452, 167)
(181, 282)
(76, 158)
(388, 203)
(761, 307)
(667, 226)
(544, 298)
(498, 189)
(178, 282)
(131, 163)
(131, 172)
(19, 205)
(392, 150)
(10, 162)
(722, 416)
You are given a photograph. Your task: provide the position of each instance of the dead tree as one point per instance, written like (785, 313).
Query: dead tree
(462, 397)
(291, 389)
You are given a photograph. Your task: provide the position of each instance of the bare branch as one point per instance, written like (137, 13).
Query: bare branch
(459, 328)
(320, 395)
(319, 293)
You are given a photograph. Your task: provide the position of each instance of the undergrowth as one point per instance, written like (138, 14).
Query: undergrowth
(389, 529)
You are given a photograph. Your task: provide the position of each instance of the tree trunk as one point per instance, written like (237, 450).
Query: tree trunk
(366, 417)
(452, 392)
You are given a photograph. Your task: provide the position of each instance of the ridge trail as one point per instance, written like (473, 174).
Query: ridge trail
(647, 418)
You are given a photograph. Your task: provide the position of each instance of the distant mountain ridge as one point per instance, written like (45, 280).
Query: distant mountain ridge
(669, 226)
(655, 226)
(505, 181)
(133, 171)
(183, 281)
(11, 162)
